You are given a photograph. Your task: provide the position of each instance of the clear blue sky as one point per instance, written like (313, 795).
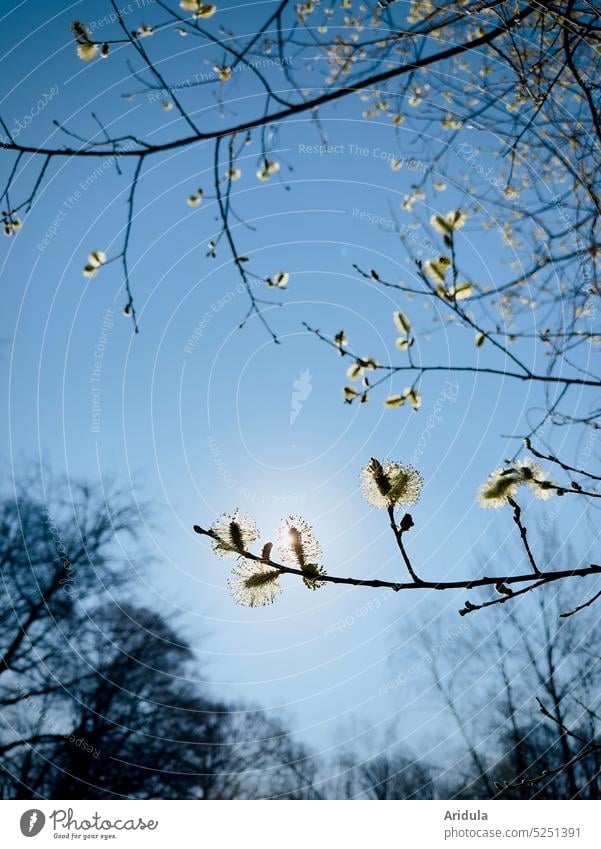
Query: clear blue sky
(202, 431)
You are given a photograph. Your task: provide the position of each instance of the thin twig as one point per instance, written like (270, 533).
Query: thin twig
(517, 518)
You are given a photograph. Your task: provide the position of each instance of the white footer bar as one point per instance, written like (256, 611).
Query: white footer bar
(302, 825)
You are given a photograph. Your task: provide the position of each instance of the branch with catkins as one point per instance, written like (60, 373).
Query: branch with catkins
(386, 485)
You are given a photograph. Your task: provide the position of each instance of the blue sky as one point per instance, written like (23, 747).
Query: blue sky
(201, 431)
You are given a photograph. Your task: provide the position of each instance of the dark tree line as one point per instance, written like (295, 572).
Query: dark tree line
(521, 687)
(98, 694)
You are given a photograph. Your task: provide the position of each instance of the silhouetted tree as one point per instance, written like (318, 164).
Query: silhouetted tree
(99, 699)
(57, 557)
(391, 774)
(523, 691)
